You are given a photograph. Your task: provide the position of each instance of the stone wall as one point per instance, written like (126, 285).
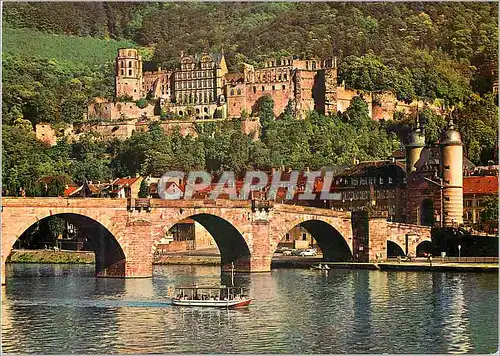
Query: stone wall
(45, 133)
(118, 111)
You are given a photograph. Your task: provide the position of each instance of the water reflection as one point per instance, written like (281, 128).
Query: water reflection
(456, 325)
(293, 311)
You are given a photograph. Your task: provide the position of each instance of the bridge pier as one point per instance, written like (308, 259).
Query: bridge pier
(139, 257)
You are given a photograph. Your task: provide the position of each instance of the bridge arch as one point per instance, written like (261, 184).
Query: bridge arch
(225, 230)
(394, 249)
(110, 258)
(426, 247)
(334, 245)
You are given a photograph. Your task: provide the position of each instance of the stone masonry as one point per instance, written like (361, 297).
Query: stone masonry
(127, 231)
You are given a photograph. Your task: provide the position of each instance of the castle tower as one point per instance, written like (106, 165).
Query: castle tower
(451, 165)
(416, 144)
(330, 66)
(129, 73)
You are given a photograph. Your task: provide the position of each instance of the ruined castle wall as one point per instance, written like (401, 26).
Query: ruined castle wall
(344, 97)
(280, 92)
(305, 94)
(273, 81)
(236, 100)
(45, 133)
(251, 126)
(116, 111)
(158, 83)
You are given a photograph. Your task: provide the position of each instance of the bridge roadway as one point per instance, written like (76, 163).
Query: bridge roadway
(125, 232)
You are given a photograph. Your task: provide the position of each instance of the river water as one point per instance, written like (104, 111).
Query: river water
(63, 309)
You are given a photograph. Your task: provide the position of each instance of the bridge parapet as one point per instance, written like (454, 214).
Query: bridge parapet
(60, 202)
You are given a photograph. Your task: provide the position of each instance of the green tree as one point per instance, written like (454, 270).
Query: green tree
(490, 212)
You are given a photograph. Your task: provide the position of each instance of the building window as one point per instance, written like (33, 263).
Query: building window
(381, 181)
(304, 237)
(362, 181)
(390, 180)
(254, 89)
(354, 181)
(130, 64)
(287, 237)
(130, 72)
(313, 65)
(238, 91)
(231, 92)
(262, 88)
(274, 88)
(468, 203)
(283, 87)
(123, 72)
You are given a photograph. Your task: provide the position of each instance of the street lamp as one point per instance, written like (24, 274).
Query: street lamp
(441, 186)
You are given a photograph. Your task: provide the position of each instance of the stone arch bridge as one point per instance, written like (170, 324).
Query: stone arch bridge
(126, 232)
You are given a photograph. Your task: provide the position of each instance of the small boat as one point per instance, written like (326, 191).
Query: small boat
(320, 267)
(218, 297)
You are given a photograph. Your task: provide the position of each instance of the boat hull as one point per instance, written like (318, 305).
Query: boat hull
(212, 303)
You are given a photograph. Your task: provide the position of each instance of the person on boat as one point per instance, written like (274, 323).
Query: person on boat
(319, 266)
(326, 267)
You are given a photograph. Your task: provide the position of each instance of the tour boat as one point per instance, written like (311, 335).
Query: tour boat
(320, 267)
(218, 297)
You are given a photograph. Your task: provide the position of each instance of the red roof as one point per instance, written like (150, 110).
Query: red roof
(123, 181)
(69, 190)
(481, 185)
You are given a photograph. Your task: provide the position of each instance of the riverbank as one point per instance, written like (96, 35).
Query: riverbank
(186, 260)
(50, 256)
(208, 259)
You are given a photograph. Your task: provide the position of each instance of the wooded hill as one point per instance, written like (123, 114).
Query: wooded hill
(58, 56)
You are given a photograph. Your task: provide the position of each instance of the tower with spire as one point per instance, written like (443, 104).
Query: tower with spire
(451, 167)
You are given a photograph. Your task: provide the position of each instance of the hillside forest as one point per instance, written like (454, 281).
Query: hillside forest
(57, 57)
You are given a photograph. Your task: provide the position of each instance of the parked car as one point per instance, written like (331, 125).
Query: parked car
(296, 252)
(287, 252)
(308, 252)
(283, 249)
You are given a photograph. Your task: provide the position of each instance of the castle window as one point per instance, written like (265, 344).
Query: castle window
(254, 89)
(238, 91)
(130, 64)
(262, 88)
(279, 77)
(287, 237)
(205, 98)
(274, 88)
(197, 111)
(313, 65)
(181, 113)
(232, 92)
(123, 72)
(307, 64)
(205, 110)
(130, 72)
(283, 87)
(284, 75)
